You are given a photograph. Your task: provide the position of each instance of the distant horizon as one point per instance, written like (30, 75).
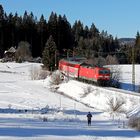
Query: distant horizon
(119, 18)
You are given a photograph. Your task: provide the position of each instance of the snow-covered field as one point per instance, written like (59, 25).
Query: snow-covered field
(30, 109)
(125, 75)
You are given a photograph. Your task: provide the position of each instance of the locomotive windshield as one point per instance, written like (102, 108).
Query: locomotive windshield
(104, 72)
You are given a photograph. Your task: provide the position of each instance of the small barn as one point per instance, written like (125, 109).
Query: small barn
(9, 55)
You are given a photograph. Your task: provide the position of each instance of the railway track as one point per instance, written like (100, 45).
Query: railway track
(119, 91)
(110, 89)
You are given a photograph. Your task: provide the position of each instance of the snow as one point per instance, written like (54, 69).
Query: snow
(33, 110)
(126, 72)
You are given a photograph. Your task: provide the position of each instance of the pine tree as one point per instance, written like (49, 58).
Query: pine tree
(94, 31)
(137, 49)
(52, 26)
(78, 30)
(65, 38)
(42, 31)
(1, 30)
(49, 54)
(17, 24)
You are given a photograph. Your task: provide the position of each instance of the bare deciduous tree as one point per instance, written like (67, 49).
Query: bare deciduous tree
(23, 52)
(37, 73)
(111, 60)
(115, 76)
(87, 90)
(115, 104)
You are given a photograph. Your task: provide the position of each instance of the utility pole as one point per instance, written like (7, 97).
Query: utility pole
(133, 68)
(75, 109)
(68, 64)
(55, 58)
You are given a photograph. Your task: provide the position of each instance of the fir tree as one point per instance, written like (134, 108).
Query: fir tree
(1, 30)
(49, 54)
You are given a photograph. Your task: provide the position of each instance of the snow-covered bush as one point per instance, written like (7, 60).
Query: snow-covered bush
(87, 90)
(55, 78)
(37, 73)
(43, 74)
(116, 104)
(34, 72)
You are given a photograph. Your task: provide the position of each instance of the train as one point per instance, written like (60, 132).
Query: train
(77, 68)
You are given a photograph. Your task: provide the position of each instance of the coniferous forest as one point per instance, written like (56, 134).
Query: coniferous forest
(59, 36)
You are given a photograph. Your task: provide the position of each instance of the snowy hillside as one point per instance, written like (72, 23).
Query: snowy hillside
(30, 109)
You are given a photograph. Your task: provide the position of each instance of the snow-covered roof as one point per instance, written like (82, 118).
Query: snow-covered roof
(11, 50)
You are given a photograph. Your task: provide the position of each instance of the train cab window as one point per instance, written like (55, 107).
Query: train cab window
(104, 71)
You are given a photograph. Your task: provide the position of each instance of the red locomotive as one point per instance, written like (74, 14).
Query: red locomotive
(80, 70)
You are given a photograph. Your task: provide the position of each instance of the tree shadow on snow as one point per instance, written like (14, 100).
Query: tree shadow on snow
(34, 132)
(77, 112)
(17, 127)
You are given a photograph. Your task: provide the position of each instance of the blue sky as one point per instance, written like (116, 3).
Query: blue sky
(118, 17)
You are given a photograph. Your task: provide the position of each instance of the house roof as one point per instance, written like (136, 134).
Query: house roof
(11, 50)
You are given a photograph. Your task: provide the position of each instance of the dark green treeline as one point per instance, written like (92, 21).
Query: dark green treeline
(76, 39)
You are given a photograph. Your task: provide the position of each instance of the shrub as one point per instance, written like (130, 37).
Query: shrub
(115, 104)
(43, 74)
(134, 122)
(34, 72)
(55, 78)
(87, 90)
(37, 73)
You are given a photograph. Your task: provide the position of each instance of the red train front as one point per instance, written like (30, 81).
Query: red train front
(77, 68)
(93, 73)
